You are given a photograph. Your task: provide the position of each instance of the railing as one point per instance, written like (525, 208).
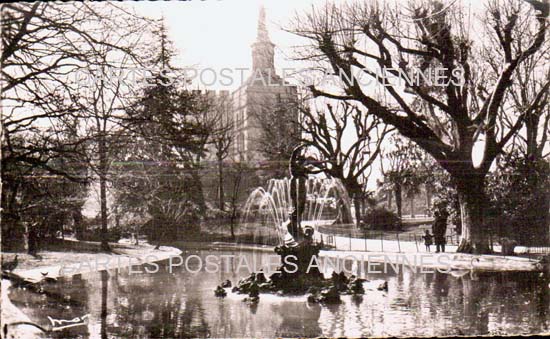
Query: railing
(544, 250)
(397, 241)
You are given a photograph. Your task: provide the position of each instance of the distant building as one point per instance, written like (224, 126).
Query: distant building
(264, 106)
(264, 118)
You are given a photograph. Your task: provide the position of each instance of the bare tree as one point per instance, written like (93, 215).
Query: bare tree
(222, 139)
(329, 130)
(100, 104)
(237, 171)
(44, 46)
(395, 172)
(381, 42)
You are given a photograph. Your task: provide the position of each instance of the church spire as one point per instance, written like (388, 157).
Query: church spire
(263, 49)
(262, 30)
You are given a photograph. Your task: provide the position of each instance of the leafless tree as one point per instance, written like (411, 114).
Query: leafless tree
(44, 46)
(530, 96)
(330, 130)
(396, 167)
(222, 140)
(369, 39)
(100, 104)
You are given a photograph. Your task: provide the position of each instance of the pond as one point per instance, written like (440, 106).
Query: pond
(181, 303)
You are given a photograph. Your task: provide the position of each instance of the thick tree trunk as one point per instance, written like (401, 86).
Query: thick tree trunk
(474, 238)
(355, 192)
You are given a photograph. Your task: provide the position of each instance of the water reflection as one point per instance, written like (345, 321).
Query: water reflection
(104, 293)
(182, 304)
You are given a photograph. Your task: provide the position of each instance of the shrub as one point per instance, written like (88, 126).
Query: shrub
(381, 219)
(114, 234)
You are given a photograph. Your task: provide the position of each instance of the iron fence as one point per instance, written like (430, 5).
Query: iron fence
(398, 241)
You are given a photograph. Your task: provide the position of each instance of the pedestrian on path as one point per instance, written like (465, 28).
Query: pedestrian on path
(439, 228)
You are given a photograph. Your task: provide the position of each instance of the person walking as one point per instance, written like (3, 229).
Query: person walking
(439, 228)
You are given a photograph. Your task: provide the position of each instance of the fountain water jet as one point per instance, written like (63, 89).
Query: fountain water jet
(267, 210)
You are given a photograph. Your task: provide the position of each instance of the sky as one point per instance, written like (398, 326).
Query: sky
(218, 34)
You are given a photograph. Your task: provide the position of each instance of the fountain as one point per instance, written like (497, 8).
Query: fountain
(286, 214)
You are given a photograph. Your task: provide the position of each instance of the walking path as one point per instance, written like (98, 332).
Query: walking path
(387, 244)
(449, 261)
(444, 262)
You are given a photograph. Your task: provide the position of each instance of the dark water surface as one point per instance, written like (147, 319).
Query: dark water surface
(182, 304)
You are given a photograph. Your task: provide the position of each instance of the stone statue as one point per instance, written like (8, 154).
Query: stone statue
(300, 167)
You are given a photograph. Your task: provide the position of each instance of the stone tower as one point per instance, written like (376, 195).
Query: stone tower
(263, 50)
(264, 106)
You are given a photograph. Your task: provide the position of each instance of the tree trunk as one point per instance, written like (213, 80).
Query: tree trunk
(14, 236)
(398, 204)
(103, 193)
(103, 199)
(195, 188)
(78, 224)
(220, 185)
(355, 192)
(428, 200)
(532, 129)
(398, 200)
(358, 208)
(474, 238)
(234, 200)
(31, 238)
(538, 214)
(412, 205)
(232, 224)
(389, 195)
(546, 217)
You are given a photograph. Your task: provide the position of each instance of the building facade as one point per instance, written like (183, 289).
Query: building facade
(264, 112)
